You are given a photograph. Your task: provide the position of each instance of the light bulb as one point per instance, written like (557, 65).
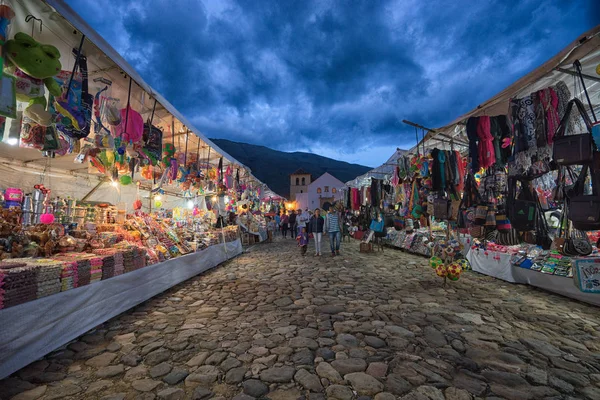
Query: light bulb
(12, 141)
(214, 198)
(114, 183)
(190, 204)
(158, 197)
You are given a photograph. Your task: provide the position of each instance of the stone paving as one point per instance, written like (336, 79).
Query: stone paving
(272, 325)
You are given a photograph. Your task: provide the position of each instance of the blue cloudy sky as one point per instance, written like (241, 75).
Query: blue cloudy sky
(333, 77)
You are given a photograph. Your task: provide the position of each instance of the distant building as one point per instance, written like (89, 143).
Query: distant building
(299, 182)
(326, 189)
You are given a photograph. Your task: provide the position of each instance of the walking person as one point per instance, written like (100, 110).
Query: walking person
(285, 223)
(333, 226)
(277, 223)
(293, 220)
(315, 226)
(303, 241)
(303, 219)
(270, 229)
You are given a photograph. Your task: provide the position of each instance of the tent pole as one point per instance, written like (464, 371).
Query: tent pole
(91, 192)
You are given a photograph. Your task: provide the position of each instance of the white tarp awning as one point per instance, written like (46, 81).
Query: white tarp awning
(586, 49)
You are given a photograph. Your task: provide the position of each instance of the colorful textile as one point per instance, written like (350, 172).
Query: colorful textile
(485, 147)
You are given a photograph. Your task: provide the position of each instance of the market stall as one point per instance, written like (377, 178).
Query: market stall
(108, 196)
(529, 202)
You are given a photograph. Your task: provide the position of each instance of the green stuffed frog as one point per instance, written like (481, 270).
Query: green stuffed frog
(34, 65)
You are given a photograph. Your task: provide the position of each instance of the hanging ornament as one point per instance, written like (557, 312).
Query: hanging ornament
(125, 180)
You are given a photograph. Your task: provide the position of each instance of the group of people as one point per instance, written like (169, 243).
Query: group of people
(303, 225)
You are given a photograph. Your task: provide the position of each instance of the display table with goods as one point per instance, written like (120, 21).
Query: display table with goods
(530, 264)
(254, 224)
(58, 280)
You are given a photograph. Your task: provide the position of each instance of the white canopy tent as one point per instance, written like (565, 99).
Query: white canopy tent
(64, 29)
(385, 170)
(586, 49)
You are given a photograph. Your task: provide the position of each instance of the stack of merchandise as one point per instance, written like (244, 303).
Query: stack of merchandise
(20, 283)
(119, 267)
(112, 262)
(96, 269)
(140, 257)
(84, 272)
(84, 268)
(1, 289)
(108, 266)
(68, 275)
(48, 277)
(129, 260)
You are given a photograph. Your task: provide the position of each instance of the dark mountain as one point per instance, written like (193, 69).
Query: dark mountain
(274, 167)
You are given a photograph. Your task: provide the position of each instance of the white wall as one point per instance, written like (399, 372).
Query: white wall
(302, 201)
(324, 180)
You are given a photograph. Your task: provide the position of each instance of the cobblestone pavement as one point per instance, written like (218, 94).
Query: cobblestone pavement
(270, 324)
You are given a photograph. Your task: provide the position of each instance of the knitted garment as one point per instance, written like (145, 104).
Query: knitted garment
(549, 100)
(472, 124)
(485, 147)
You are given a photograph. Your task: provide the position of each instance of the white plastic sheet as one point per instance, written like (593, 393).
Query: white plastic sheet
(31, 330)
(493, 264)
(498, 265)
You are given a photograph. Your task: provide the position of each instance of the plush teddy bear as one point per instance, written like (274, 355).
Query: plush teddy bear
(34, 65)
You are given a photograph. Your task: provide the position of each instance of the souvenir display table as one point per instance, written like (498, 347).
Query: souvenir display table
(501, 265)
(254, 224)
(29, 331)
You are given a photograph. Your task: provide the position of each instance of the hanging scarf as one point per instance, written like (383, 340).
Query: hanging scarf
(487, 157)
(395, 177)
(549, 101)
(473, 142)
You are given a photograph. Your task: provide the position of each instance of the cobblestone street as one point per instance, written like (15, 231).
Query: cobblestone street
(270, 324)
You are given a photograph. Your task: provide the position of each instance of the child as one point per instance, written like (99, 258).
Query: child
(303, 241)
(270, 229)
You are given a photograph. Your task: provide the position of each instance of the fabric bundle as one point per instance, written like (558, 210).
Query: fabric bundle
(20, 283)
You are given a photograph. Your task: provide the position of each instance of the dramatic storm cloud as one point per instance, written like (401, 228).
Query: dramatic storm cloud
(333, 77)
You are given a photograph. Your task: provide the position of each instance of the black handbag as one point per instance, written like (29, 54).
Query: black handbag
(573, 149)
(441, 208)
(522, 212)
(584, 210)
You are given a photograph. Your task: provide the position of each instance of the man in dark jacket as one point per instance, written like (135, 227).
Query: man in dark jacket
(316, 226)
(293, 224)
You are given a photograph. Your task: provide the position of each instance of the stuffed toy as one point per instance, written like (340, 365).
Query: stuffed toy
(34, 65)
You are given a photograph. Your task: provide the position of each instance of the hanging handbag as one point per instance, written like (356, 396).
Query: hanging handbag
(573, 149)
(522, 211)
(481, 212)
(491, 235)
(580, 244)
(441, 208)
(542, 237)
(584, 210)
(502, 222)
(508, 238)
(477, 232)
(490, 218)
